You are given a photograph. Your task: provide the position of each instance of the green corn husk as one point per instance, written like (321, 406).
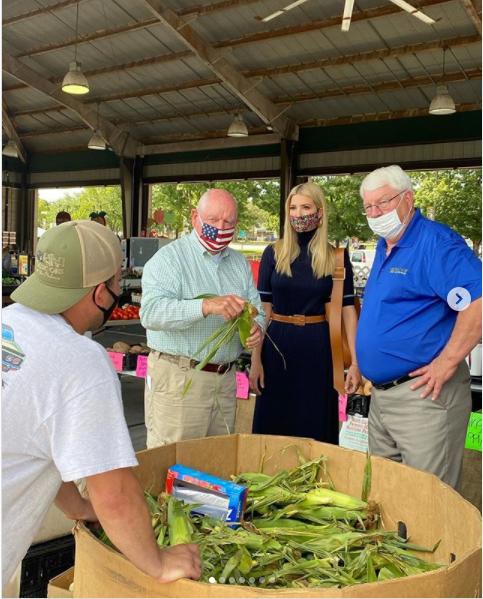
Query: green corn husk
(243, 323)
(281, 545)
(179, 529)
(334, 498)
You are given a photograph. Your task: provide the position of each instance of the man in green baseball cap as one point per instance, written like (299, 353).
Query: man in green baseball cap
(62, 415)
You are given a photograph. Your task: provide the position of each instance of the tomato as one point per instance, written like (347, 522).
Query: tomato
(125, 317)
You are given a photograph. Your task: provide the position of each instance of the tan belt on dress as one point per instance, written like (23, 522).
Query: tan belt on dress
(298, 320)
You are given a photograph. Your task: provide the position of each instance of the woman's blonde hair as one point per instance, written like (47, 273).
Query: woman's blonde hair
(287, 249)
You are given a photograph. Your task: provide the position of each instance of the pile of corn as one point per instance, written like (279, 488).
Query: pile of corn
(298, 532)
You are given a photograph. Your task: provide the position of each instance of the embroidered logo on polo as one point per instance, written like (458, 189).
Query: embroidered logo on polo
(399, 271)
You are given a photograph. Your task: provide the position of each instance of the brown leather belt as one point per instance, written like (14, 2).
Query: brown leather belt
(298, 320)
(185, 363)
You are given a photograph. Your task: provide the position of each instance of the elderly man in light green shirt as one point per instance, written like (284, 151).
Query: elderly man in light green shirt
(177, 324)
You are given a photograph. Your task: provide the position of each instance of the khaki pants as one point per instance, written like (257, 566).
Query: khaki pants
(429, 435)
(207, 409)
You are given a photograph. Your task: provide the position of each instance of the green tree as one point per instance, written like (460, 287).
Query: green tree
(81, 204)
(258, 201)
(453, 198)
(344, 207)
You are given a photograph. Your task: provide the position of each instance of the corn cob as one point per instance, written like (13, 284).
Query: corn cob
(179, 529)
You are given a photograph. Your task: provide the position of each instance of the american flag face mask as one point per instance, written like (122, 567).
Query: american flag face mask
(213, 239)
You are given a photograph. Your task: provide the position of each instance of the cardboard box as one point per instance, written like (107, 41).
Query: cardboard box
(431, 510)
(59, 586)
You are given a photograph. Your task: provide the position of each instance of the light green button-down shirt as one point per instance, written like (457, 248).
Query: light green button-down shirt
(176, 274)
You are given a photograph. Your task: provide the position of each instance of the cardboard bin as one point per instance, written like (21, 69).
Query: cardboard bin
(59, 586)
(431, 510)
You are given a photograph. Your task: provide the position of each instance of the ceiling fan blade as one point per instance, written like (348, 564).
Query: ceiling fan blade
(280, 12)
(347, 16)
(414, 11)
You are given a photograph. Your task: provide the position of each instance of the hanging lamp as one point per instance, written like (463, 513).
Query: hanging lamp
(75, 81)
(442, 102)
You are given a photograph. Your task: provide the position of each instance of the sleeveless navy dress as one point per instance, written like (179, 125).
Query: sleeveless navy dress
(299, 401)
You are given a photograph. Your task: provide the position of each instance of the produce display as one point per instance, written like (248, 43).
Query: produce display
(127, 312)
(9, 281)
(127, 348)
(297, 532)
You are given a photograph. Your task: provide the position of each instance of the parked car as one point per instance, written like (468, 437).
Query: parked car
(363, 257)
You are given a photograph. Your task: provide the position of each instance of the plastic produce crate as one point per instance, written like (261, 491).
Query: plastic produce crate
(43, 562)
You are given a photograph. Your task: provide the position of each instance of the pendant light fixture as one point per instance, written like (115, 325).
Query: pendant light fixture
(75, 81)
(97, 142)
(442, 103)
(238, 127)
(10, 149)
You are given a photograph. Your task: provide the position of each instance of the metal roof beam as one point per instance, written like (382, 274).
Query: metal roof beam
(91, 37)
(392, 85)
(221, 142)
(382, 86)
(220, 135)
(374, 13)
(473, 8)
(381, 116)
(207, 9)
(336, 61)
(364, 15)
(11, 132)
(39, 11)
(235, 81)
(119, 140)
(200, 9)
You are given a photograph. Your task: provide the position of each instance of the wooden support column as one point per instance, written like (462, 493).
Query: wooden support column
(126, 166)
(29, 221)
(288, 172)
(137, 197)
(132, 194)
(23, 228)
(146, 204)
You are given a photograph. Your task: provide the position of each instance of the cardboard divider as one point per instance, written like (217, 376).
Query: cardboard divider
(59, 586)
(431, 510)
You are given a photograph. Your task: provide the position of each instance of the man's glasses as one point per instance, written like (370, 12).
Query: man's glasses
(383, 205)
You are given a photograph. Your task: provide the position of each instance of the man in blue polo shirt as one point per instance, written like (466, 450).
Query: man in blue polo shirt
(421, 318)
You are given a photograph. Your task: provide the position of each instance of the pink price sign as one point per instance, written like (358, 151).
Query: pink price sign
(142, 367)
(242, 385)
(116, 359)
(343, 407)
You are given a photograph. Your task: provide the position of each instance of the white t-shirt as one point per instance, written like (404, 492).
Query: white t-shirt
(62, 419)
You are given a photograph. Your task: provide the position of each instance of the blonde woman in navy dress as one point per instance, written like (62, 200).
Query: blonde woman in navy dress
(296, 279)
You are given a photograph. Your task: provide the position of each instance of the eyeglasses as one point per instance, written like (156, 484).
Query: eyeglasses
(383, 205)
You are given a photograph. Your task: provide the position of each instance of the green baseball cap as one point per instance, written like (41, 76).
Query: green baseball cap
(71, 259)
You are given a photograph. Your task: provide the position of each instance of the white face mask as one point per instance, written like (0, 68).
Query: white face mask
(388, 225)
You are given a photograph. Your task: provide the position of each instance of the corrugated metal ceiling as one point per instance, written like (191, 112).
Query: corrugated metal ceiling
(142, 97)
